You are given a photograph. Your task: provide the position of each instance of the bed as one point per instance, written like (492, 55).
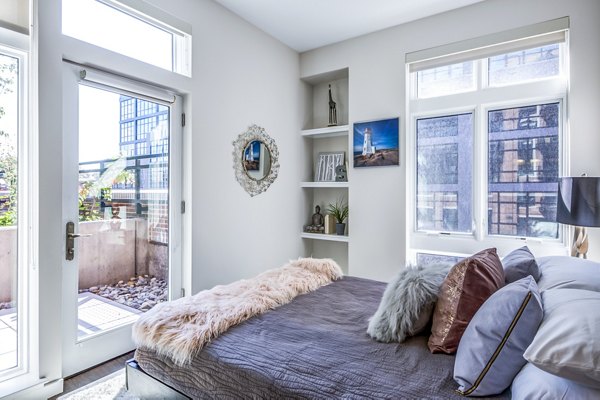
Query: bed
(314, 347)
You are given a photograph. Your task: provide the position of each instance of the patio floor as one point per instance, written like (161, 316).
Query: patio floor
(96, 314)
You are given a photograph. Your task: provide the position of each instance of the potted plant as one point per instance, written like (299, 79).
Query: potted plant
(339, 210)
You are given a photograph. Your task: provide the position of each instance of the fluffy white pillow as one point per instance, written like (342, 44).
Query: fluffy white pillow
(566, 343)
(407, 303)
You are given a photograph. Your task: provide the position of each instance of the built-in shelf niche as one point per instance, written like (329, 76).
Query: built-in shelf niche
(317, 87)
(319, 138)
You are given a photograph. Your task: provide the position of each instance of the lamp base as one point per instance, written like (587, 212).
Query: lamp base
(580, 243)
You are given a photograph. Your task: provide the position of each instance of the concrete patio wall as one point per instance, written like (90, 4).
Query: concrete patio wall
(117, 250)
(8, 253)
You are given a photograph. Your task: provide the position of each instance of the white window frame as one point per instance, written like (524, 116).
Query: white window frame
(484, 99)
(181, 32)
(26, 372)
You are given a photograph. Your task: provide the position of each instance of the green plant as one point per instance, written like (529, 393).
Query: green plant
(339, 210)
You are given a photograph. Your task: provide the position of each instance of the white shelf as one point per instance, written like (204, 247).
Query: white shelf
(322, 236)
(324, 184)
(330, 131)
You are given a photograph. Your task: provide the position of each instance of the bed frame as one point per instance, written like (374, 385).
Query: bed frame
(144, 386)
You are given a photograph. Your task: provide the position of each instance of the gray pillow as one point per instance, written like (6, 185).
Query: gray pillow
(407, 303)
(533, 383)
(490, 352)
(520, 263)
(568, 273)
(567, 343)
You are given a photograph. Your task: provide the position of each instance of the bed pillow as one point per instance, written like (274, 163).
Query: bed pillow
(490, 353)
(533, 383)
(520, 263)
(567, 343)
(468, 284)
(407, 303)
(568, 273)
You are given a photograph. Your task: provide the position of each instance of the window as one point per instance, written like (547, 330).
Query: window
(151, 36)
(18, 311)
(523, 162)
(491, 169)
(446, 79)
(441, 187)
(524, 65)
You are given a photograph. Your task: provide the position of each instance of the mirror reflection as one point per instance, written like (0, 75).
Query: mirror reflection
(256, 160)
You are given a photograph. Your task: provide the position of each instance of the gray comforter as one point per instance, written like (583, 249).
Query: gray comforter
(313, 347)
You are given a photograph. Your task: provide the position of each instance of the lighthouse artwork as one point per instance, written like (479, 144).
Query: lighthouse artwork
(368, 148)
(376, 143)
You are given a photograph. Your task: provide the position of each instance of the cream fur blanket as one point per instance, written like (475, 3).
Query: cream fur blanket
(180, 328)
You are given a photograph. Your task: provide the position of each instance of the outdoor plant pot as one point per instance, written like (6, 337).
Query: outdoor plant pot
(340, 229)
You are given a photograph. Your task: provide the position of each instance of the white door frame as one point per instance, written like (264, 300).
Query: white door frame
(79, 355)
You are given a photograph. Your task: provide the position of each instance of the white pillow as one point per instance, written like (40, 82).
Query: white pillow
(567, 342)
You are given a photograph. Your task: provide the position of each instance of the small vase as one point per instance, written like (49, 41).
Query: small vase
(340, 229)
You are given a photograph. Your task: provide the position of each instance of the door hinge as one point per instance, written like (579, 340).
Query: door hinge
(183, 207)
(182, 292)
(182, 119)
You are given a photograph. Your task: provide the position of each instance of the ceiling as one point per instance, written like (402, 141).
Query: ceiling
(307, 24)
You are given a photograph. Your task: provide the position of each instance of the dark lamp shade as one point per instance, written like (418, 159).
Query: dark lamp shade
(579, 201)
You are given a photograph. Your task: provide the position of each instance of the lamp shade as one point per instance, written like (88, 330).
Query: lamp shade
(579, 201)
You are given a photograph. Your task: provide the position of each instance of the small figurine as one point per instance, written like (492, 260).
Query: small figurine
(318, 222)
(317, 218)
(332, 110)
(340, 173)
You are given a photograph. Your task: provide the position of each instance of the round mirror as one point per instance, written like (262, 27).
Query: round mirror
(256, 160)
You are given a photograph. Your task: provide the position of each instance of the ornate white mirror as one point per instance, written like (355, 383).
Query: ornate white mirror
(255, 160)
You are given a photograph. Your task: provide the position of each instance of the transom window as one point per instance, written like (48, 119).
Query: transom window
(144, 33)
(490, 169)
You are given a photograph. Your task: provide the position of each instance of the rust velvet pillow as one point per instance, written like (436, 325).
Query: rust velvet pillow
(468, 285)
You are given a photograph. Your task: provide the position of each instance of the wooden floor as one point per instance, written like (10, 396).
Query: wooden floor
(76, 381)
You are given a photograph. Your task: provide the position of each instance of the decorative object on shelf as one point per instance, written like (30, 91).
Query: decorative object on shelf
(332, 110)
(376, 143)
(339, 210)
(326, 166)
(329, 224)
(255, 160)
(317, 222)
(579, 205)
(340, 173)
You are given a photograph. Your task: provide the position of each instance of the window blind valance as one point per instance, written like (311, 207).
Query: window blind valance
(544, 33)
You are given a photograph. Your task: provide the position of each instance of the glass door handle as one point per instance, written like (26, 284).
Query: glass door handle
(70, 245)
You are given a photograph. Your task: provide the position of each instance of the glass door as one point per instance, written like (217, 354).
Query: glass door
(121, 196)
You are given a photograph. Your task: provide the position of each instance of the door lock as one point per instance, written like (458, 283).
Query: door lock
(70, 245)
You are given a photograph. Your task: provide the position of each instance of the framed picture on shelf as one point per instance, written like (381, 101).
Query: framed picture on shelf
(376, 143)
(326, 165)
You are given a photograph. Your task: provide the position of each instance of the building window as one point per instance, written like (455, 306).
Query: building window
(492, 169)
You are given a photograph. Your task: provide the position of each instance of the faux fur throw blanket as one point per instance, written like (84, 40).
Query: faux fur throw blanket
(181, 328)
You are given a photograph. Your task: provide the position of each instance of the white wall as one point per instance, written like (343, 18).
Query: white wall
(241, 76)
(377, 90)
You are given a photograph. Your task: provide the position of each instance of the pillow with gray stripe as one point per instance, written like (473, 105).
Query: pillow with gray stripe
(490, 353)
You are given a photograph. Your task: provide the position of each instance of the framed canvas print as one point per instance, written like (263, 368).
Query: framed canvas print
(376, 143)
(326, 165)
